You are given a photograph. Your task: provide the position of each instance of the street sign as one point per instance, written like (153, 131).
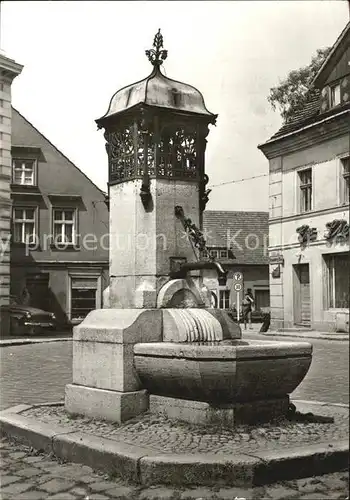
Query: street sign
(238, 276)
(237, 287)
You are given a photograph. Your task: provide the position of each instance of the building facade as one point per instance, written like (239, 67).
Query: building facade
(9, 69)
(59, 250)
(239, 240)
(309, 204)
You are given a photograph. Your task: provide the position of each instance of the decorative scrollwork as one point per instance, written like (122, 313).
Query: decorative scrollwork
(337, 229)
(306, 234)
(194, 233)
(145, 145)
(178, 155)
(121, 149)
(204, 193)
(157, 55)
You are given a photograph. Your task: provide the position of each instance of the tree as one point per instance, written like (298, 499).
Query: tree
(294, 91)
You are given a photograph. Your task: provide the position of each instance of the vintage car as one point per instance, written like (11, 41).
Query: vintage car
(27, 320)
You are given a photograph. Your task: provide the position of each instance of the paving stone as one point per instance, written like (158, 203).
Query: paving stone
(123, 492)
(314, 496)
(32, 460)
(197, 494)
(280, 492)
(335, 481)
(57, 485)
(29, 471)
(79, 490)
(310, 484)
(15, 488)
(32, 495)
(231, 493)
(88, 479)
(97, 496)
(62, 496)
(102, 486)
(158, 493)
(16, 455)
(5, 480)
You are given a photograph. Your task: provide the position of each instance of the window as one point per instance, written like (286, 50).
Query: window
(64, 226)
(214, 253)
(224, 299)
(335, 95)
(83, 297)
(305, 178)
(345, 177)
(338, 270)
(23, 172)
(223, 254)
(24, 225)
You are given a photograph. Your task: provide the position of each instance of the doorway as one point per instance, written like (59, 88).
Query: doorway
(38, 288)
(302, 296)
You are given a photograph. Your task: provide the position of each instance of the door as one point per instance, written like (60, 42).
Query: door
(38, 288)
(302, 302)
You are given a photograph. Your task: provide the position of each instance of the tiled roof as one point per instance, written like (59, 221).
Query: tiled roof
(246, 233)
(307, 115)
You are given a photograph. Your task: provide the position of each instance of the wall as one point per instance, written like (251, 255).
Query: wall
(9, 69)
(285, 219)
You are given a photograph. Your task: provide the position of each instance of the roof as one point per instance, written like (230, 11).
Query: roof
(157, 90)
(312, 112)
(16, 113)
(305, 116)
(325, 69)
(246, 233)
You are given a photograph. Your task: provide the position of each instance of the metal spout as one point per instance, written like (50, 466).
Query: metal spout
(196, 266)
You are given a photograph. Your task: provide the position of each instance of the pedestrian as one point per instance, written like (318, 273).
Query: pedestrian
(247, 307)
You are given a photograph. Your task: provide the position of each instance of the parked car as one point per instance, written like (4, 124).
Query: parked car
(27, 320)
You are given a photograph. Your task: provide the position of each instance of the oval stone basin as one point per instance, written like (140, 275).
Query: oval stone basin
(222, 372)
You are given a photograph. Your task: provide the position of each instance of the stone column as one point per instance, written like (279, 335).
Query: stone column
(9, 69)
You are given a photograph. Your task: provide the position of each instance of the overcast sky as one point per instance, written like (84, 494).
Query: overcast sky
(77, 54)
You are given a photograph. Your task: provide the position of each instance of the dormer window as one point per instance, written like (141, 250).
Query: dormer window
(24, 172)
(335, 95)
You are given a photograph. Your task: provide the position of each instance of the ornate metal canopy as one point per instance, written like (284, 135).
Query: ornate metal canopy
(156, 127)
(157, 90)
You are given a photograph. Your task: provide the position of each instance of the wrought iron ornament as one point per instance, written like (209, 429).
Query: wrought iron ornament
(194, 233)
(157, 55)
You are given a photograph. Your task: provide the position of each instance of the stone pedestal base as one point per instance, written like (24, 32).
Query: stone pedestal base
(104, 404)
(197, 412)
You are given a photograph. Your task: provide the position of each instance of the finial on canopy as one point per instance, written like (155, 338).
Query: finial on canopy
(157, 55)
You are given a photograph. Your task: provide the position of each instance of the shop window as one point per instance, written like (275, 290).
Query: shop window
(338, 283)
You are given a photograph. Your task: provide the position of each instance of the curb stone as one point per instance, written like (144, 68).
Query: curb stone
(145, 466)
(16, 342)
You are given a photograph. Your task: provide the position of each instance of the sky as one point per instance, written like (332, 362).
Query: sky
(76, 55)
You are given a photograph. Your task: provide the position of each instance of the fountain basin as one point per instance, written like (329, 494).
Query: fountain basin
(222, 372)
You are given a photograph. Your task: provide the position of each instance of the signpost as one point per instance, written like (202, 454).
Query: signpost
(237, 286)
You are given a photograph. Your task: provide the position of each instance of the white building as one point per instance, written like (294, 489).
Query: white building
(309, 204)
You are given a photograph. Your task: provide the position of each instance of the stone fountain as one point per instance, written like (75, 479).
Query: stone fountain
(160, 346)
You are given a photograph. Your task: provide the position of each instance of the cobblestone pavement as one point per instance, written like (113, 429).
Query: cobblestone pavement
(27, 475)
(38, 373)
(167, 436)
